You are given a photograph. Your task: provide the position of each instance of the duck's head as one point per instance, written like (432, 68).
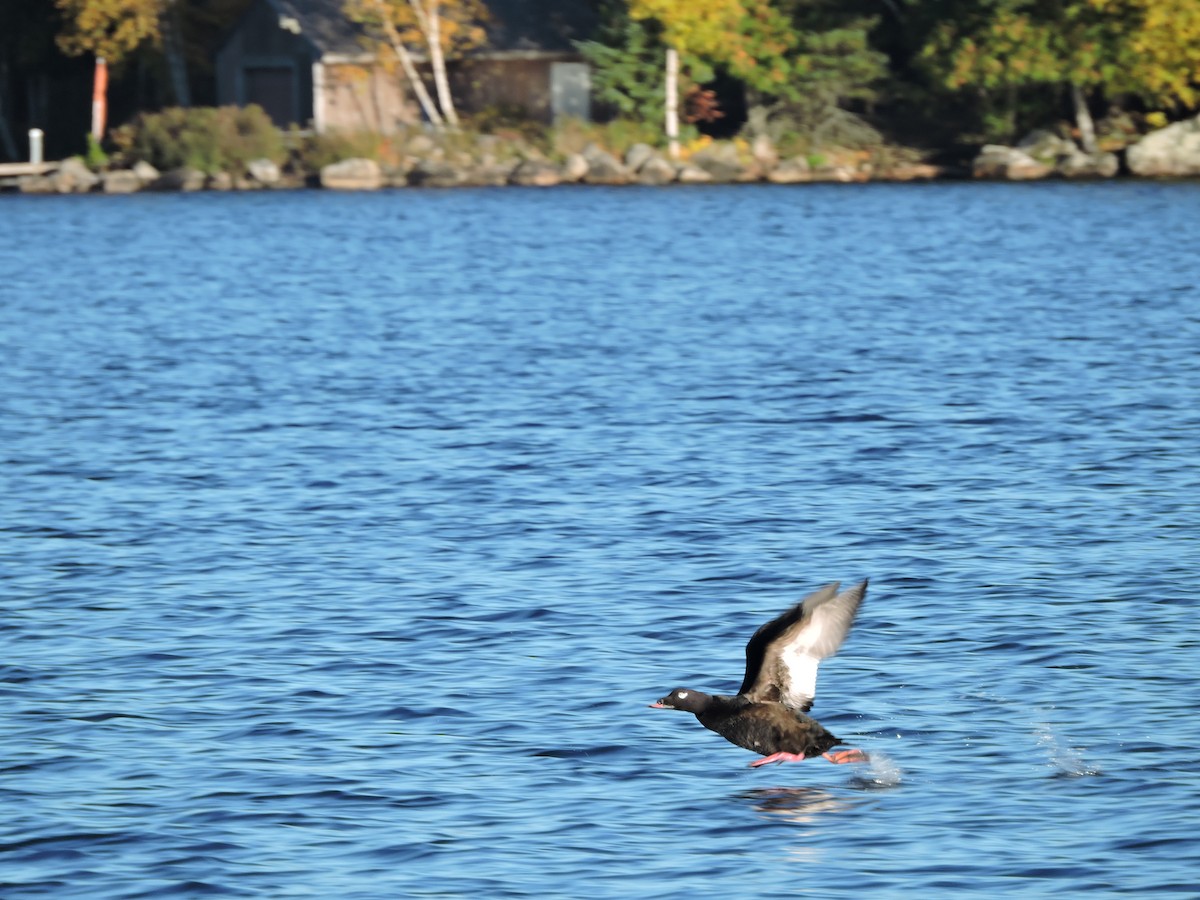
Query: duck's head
(682, 698)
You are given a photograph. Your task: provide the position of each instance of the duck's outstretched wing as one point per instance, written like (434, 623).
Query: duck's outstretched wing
(783, 655)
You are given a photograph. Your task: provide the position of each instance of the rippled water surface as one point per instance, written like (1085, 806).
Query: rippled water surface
(345, 539)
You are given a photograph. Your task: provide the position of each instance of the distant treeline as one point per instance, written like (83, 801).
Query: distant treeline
(934, 73)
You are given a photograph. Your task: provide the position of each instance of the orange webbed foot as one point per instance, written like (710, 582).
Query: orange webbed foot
(777, 758)
(847, 756)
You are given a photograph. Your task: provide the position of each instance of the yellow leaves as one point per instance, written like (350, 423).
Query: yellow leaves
(457, 33)
(1149, 48)
(700, 27)
(753, 39)
(459, 21)
(695, 146)
(1165, 50)
(107, 28)
(1008, 50)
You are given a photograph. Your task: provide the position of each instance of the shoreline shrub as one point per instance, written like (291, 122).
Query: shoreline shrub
(210, 139)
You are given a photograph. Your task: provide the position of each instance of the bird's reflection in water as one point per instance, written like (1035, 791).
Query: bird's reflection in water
(802, 805)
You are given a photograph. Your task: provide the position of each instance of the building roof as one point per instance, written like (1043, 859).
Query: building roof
(532, 25)
(521, 26)
(323, 23)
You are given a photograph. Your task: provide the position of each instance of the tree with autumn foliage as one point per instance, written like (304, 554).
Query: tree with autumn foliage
(434, 29)
(110, 30)
(1162, 52)
(800, 59)
(626, 56)
(1009, 53)
(113, 29)
(748, 37)
(107, 28)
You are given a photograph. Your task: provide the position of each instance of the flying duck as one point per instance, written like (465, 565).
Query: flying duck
(768, 713)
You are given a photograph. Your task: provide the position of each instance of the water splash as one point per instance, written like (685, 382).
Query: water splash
(881, 773)
(1065, 760)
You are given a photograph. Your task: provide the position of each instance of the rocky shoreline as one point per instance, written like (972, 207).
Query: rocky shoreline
(1171, 152)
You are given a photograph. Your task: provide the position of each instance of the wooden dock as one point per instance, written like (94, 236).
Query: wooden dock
(15, 170)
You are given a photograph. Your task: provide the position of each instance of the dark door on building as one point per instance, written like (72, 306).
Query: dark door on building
(274, 89)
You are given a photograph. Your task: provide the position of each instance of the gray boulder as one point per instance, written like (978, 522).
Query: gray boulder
(997, 161)
(36, 184)
(1065, 157)
(574, 168)
(638, 155)
(263, 172)
(354, 174)
(393, 176)
(182, 179)
(655, 170)
(536, 173)
(1173, 151)
(603, 167)
(145, 172)
(1088, 165)
(120, 181)
(1046, 146)
(837, 174)
(490, 173)
(73, 177)
(794, 170)
(436, 173)
(722, 162)
(913, 171)
(692, 174)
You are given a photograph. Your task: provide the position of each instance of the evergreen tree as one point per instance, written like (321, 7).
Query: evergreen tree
(801, 60)
(627, 64)
(835, 65)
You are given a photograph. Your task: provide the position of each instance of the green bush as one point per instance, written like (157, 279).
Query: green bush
(507, 121)
(617, 136)
(315, 151)
(211, 139)
(95, 158)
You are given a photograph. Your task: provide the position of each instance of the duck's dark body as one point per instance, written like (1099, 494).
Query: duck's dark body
(767, 715)
(766, 728)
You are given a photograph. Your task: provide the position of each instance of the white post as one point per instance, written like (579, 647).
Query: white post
(318, 83)
(673, 102)
(35, 145)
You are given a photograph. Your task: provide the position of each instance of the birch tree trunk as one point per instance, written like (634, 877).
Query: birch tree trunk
(410, 69)
(1083, 118)
(672, 88)
(429, 20)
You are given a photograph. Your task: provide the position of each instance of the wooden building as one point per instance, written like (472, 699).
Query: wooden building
(307, 64)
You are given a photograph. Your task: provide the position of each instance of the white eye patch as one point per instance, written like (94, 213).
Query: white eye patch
(683, 695)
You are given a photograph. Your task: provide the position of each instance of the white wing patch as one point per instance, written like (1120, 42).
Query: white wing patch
(818, 626)
(800, 678)
(821, 636)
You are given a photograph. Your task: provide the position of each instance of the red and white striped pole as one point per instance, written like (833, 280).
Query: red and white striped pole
(99, 99)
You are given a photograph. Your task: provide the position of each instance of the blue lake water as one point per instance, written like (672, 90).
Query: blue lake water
(345, 538)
